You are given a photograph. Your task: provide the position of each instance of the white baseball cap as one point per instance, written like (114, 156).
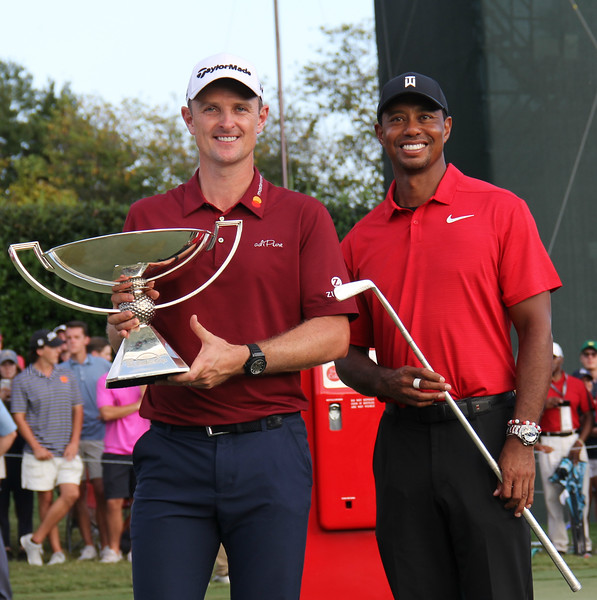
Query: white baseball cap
(557, 350)
(221, 66)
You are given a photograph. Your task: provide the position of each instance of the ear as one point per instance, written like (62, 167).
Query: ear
(379, 133)
(263, 114)
(187, 117)
(447, 128)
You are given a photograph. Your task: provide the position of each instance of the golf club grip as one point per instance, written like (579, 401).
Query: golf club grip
(560, 563)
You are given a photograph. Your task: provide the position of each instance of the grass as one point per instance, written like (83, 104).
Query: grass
(76, 580)
(94, 581)
(549, 583)
(91, 580)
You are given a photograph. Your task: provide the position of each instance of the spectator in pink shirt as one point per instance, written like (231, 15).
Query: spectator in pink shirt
(119, 408)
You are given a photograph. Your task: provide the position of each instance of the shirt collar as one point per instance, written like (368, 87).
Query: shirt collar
(38, 373)
(444, 194)
(254, 198)
(75, 363)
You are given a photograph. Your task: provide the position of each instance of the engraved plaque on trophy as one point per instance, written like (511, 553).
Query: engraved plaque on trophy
(138, 257)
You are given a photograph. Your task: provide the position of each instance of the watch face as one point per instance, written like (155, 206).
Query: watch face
(529, 434)
(258, 366)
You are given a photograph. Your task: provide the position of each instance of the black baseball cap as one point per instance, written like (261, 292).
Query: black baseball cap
(411, 83)
(44, 337)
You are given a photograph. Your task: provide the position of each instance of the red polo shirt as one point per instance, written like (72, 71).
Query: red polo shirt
(450, 269)
(572, 390)
(282, 274)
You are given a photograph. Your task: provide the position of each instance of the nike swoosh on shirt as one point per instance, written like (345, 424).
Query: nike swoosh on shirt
(451, 219)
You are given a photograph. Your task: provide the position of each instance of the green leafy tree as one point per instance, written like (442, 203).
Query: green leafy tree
(70, 166)
(22, 309)
(61, 149)
(24, 113)
(330, 113)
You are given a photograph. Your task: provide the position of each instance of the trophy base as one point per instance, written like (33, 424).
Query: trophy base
(144, 357)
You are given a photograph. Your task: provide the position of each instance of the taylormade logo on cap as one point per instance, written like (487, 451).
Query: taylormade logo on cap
(204, 70)
(223, 66)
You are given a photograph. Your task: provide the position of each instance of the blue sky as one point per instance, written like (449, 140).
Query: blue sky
(119, 49)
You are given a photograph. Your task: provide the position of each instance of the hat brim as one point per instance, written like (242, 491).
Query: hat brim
(396, 97)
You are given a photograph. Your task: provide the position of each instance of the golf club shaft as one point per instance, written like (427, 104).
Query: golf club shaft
(353, 288)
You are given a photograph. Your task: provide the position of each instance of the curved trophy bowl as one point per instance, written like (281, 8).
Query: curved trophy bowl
(95, 263)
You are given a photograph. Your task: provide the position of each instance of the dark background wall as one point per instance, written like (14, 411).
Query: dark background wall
(520, 77)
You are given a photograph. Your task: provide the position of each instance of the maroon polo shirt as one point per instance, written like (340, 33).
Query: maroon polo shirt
(282, 274)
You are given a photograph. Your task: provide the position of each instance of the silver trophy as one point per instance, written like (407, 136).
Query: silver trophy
(140, 257)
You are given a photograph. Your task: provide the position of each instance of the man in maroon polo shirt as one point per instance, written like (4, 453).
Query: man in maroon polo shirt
(226, 459)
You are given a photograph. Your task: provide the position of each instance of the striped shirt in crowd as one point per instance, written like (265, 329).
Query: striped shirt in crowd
(47, 403)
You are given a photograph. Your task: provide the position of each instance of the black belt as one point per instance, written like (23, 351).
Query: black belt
(441, 411)
(557, 433)
(271, 422)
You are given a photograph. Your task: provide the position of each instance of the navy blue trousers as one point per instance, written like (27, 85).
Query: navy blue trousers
(249, 491)
(440, 531)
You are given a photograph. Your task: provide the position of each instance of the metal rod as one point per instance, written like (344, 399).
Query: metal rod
(281, 101)
(356, 287)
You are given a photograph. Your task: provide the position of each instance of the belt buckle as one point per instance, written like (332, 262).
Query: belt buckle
(212, 433)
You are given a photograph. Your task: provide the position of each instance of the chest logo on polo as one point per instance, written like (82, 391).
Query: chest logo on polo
(452, 219)
(268, 244)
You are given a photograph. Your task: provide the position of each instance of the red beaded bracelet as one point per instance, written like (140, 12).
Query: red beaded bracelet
(518, 421)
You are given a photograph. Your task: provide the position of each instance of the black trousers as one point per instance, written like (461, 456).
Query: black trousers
(440, 531)
(23, 499)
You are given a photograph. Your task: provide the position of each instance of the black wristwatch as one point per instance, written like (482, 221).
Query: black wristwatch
(256, 363)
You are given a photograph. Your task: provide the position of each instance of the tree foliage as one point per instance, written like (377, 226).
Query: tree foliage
(70, 166)
(61, 149)
(330, 113)
(22, 309)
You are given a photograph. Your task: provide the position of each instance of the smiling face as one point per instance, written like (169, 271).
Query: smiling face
(413, 132)
(225, 121)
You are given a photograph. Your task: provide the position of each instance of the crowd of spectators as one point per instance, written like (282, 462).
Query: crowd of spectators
(53, 397)
(90, 463)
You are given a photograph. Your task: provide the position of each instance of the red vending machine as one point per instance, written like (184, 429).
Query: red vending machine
(342, 560)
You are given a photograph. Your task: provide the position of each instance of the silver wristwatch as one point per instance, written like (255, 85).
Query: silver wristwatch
(525, 431)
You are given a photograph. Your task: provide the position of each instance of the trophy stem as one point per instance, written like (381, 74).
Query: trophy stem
(142, 358)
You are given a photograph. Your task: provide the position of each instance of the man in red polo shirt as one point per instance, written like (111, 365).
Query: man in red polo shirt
(565, 426)
(226, 458)
(461, 261)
